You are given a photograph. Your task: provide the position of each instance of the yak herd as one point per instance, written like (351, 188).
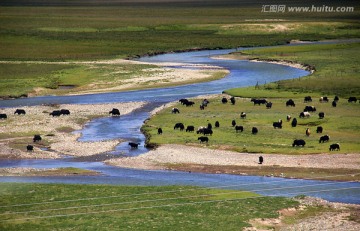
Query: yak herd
(207, 131)
(62, 112)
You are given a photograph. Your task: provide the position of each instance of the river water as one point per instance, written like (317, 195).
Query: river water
(242, 73)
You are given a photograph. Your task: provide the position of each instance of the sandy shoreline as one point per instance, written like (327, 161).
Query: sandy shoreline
(164, 155)
(18, 130)
(162, 74)
(293, 64)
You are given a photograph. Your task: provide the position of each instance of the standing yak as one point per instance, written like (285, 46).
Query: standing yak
(114, 112)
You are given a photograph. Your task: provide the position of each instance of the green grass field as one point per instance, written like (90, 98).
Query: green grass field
(341, 123)
(80, 30)
(105, 207)
(337, 70)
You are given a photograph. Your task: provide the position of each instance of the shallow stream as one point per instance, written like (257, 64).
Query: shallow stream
(242, 73)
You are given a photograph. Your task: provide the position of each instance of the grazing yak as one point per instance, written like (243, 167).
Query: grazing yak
(307, 132)
(180, 126)
(352, 99)
(160, 131)
(278, 124)
(217, 124)
(183, 101)
(261, 159)
(309, 109)
(319, 129)
(268, 105)
(55, 113)
(304, 114)
(324, 139)
(200, 130)
(334, 103)
(20, 112)
(209, 126)
(134, 145)
(254, 130)
(114, 112)
(175, 110)
(239, 128)
(232, 100)
(65, 112)
(294, 122)
(36, 138)
(204, 130)
(203, 139)
(224, 100)
(242, 115)
(288, 118)
(336, 98)
(258, 101)
(307, 99)
(3, 116)
(190, 128)
(321, 115)
(299, 143)
(334, 147)
(205, 102)
(290, 102)
(189, 103)
(207, 131)
(202, 107)
(29, 148)
(233, 123)
(324, 99)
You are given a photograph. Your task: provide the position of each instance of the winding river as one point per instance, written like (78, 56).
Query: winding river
(242, 73)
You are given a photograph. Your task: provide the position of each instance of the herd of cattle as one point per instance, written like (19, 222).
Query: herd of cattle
(207, 130)
(58, 113)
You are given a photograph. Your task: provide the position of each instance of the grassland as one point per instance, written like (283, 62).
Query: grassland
(340, 123)
(337, 70)
(94, 207)
(79, 30)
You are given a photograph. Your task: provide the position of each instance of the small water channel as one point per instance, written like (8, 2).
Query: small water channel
(127, 127)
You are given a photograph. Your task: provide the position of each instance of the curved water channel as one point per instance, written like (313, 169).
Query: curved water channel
(242, 73)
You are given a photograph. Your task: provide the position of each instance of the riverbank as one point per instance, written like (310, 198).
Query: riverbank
(21, 171)
(58, 139)
(116, 75)
(242, 56)
(198, 159)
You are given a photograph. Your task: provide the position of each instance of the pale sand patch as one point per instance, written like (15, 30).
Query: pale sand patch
(38, 121)
(181, 154)
(165, 73)
(26, 171)
(336, 220)
(279, 62)
(159, 77)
